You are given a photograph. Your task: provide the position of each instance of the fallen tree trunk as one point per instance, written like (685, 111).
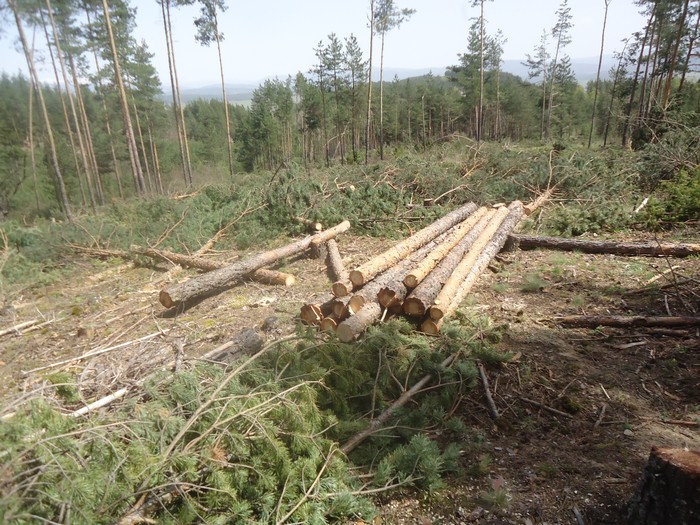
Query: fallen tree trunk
(260, 275)
(390, 257)
(225, 277)
(530, 207)
(423, 296)
(592, 321)
(444, 298)
(528, 242)
(669, 492)
(335, 262)
(310, 225)
(433, 324)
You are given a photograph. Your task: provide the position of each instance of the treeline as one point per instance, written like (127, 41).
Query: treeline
(100, 129)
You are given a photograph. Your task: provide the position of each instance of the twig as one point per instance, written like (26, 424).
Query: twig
(487, 391)
(16, 328)
(99, 403)
(600, 417)
(96, 352)
(579, 516)
(547, 408)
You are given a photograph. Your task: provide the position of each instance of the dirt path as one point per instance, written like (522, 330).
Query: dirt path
(620, 388)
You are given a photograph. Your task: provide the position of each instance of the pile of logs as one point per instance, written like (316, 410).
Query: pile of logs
(424, 277)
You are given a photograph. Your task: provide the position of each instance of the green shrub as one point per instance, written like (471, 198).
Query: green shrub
(676, 200)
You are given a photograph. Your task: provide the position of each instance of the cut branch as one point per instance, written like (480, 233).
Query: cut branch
(226, 277)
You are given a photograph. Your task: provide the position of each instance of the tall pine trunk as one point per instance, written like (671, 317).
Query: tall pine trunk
(229, 140)
(597, 77)
(369, 80)
(136, 171)
(674, 55)
(61, 192)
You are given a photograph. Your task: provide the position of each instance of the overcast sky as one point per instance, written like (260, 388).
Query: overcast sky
(267, 38)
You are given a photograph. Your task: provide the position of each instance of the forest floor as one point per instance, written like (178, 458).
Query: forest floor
(623, 390)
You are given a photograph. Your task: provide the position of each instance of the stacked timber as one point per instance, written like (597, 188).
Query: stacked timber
(424, 277)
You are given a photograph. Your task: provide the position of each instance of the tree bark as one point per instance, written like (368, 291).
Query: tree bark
(467, 265)
(225, 277)
(527, 242)
(335, 262)
(423, 296)
(618, 321)
(55, 165)
(353, 326)
(369, 80)
(669, 493)
(389, 258)
(421, 271)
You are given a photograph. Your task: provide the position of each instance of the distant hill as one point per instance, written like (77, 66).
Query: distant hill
(584, 68)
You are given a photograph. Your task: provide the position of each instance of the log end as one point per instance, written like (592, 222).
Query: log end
(311, 314)
(387, 297)
(436, 312)
(414, 307)
(345, 333)
(411, 281)
(430, 327)
(341, 288)
(328, 324)
(355, 303)
(165, 299)
(357, 278)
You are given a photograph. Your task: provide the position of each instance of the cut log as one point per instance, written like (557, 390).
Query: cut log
(353, 326)
(515, 214)
(449, 290)
(312, 226)
(527, 242)
(313, 313)
(669, 493)
(389, 258)
(261, 275)
(419, 273)
(393, 277)
(619, 321)
(342, 288)
(225, 277)
(423, 296)
(265, 276)
(335, 262)
(339, 307)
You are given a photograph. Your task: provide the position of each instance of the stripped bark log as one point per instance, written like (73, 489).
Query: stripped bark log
(225, 277)
(392, 256)
(353, 326)
(423, 296)
(527, 242)
(433, 324)
(265, 276)
(312, 226)
(592, 321)
(419, 273)
(449, 290)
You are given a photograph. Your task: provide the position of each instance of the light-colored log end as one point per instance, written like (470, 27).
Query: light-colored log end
(431, 327)
(328, 324)
(341, 288)
(436, 312)
(411, 281)
(357, 278)
(355, 303)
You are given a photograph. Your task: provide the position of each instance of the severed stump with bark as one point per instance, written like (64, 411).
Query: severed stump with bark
(528, 242)
(222, 278)
(669, 493)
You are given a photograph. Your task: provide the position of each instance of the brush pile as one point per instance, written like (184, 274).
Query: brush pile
(424, 277)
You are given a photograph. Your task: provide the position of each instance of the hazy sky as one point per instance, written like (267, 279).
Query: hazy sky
(267, 38)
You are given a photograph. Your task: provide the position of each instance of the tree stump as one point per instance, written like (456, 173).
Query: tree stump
(669, 493)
